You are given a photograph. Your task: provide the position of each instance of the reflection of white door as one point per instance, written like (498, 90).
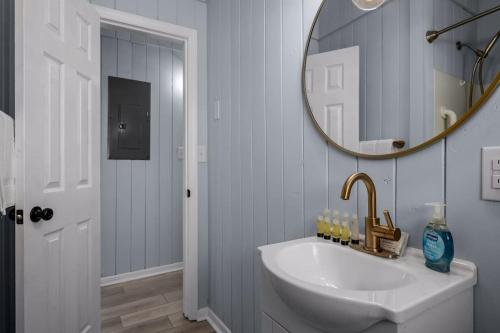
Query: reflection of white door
(58, 126)
(332, 85)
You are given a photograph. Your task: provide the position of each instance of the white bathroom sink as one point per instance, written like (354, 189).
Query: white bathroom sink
(335, 287)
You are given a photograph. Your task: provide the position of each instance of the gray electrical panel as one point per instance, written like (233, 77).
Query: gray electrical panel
(129, 104)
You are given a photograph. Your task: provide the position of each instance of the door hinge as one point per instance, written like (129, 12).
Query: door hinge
(189, 193)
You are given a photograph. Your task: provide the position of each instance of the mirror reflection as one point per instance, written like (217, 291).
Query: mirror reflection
(384, 76)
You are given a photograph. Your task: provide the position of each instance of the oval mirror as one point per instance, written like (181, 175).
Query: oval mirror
(386, 78)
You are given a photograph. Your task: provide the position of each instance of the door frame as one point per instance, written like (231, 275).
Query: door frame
(118, 19)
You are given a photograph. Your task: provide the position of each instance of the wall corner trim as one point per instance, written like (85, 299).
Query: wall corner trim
(217, 324)
(143, 273)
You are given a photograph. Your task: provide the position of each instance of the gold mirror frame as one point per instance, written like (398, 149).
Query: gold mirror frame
(481, 101)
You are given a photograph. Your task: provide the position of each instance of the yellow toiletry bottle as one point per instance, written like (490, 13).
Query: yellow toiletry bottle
(319, 226)
(327, 233)
(345, 233)
(336, 227)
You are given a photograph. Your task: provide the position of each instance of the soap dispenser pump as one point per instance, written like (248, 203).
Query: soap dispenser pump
(437, 241)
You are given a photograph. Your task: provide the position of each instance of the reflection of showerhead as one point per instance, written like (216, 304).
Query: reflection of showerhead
(460, 45)
(490, 45)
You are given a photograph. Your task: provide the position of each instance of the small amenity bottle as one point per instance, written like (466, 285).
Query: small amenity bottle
(437, 242)
(355, 230)
(345, 233)
(327, 234)
(336, 227)
(319, 226)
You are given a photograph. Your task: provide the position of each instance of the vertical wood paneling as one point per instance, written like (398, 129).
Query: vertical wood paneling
(148, 8)
(259, 139)
(123, 176)
(360, 34)
(108, 167)
(236, 174)
(193, 14)
(340, 167)
(374, 76)
(403, 185)
(167, 10)
(419, 180)
(390, 65)
(140, 221)
(274, 116)
(245, 129)
(214, 173)
(200, 19)
(185, 11)
(138, 238)
(293, 114)
(167, 155)
(315, 150)
(178, 140)
(225, 162)
(126, 5)
(468, 215)
(153, 171)
(403, 70)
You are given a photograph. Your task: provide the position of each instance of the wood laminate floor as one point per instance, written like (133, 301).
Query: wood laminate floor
(150, 305)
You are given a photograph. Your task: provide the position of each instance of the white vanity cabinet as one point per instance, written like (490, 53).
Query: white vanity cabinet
(314, 286)
(270, 326)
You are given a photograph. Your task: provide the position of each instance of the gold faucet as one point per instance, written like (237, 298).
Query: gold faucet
(373, 230)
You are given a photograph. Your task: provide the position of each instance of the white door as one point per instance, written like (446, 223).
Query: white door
(57, 130)
(332, 85)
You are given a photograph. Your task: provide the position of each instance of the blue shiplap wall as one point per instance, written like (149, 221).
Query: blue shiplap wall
(193, 14)
(142, 200)
(271, 173)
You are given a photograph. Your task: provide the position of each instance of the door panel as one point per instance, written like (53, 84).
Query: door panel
(60, 159)
(332, 86)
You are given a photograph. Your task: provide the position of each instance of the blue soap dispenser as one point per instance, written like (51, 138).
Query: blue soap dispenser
(437, 241)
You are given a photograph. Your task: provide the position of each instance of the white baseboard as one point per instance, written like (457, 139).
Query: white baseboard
(217, 324)
(143, 273)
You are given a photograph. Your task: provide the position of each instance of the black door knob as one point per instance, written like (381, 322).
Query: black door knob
(38, 214)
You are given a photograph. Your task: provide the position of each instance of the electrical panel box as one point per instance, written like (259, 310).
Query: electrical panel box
(129, 107)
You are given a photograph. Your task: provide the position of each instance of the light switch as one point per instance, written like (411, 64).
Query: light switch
(496, 182)
(496, 164)
(491, 173)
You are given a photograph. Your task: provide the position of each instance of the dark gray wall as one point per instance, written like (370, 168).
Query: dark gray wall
(7, 235)
(7, 56)
(271, 173)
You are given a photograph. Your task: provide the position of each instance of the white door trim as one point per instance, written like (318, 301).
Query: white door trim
(116, 18)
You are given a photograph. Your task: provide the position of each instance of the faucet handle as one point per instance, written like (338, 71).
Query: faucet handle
(388, 219)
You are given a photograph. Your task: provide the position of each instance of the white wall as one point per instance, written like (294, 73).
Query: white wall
(193, 14)
(271, 173)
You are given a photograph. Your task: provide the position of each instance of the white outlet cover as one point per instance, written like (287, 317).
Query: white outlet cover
(490, 173)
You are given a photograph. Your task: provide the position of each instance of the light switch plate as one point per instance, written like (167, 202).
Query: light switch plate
(495, 182)
(491, 173)
(180, 153)
(202, 154)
